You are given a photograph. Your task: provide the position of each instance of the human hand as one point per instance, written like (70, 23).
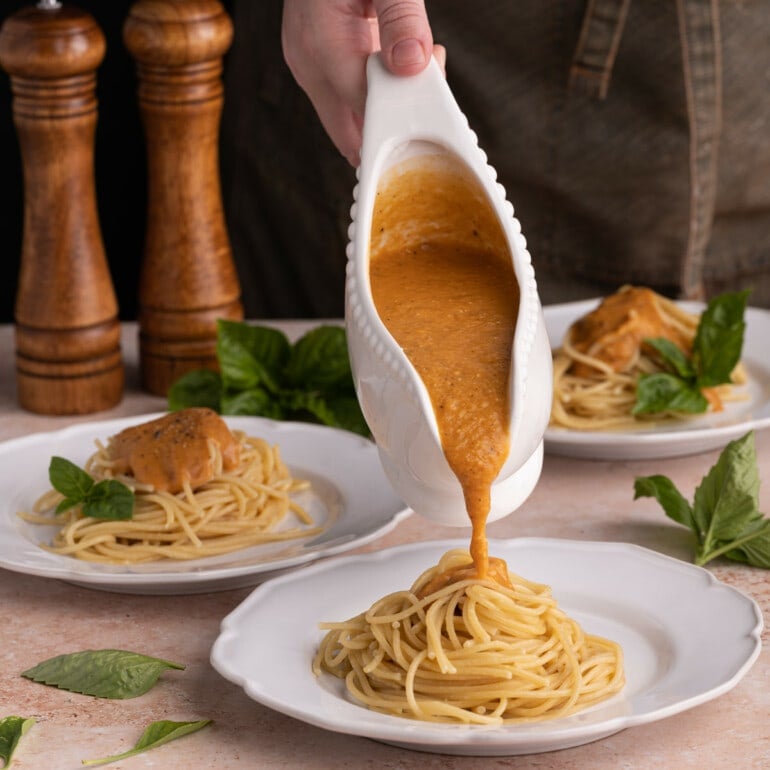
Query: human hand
(326, 44)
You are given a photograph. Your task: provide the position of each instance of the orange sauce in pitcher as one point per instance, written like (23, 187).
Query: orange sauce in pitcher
(443, 284)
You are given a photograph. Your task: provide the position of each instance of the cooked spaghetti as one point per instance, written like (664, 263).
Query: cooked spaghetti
(470, 651)
(603, 354)
(233, 505)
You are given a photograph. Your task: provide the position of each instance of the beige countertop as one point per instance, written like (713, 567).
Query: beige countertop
(577, 499)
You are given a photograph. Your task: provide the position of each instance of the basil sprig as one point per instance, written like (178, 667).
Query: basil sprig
(716, 351)
(106, 499)
(724, 516)
(262, 373)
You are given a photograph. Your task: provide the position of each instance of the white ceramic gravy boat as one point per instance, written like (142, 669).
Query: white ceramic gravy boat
(407, 118)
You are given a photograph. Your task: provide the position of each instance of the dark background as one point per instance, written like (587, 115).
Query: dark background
(120, 164)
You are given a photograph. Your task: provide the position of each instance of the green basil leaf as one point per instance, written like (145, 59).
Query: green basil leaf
(109, 499)
(347, 415)
(251, 355)
(320, 361)
(754, 548)
(12, 730)
(255, 401)
(719, 338)
(670, 498)
(240, 370)
(662, 392)
(336, 411)
(68, 479)
(156, 734)
(300, 404)
(725, 514)
(672, 356)
(201, 387)
(263, 374)
(727, 500)
(115, 674)
(66, 504)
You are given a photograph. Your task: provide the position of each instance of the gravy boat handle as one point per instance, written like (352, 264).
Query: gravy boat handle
(400, 109)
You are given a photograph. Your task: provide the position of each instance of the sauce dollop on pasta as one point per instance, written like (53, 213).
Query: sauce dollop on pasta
(615, 330)
(174, 449)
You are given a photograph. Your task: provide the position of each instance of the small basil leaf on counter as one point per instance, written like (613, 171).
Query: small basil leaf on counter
(115, 674)
(755, 550)
(12, 730)
(109, 499)
(727, 500)
(670, 498)
(68, 479)
(201, 387)
(155, 734)
(725, 515)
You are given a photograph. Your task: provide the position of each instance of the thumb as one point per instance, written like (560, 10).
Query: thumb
(406, 40)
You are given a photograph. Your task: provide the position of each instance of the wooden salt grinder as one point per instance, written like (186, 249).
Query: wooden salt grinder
(188, 277)
(67, 332)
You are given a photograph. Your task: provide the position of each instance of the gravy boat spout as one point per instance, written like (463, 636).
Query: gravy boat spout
(422, 180)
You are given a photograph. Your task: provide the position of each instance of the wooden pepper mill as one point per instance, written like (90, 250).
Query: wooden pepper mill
(188, 278)
(68, 357)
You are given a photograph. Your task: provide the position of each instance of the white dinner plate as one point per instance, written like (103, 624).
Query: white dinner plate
(350, 498)
(658, 608)
(673, 439)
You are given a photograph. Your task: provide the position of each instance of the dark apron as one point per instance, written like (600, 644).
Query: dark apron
(631, 136)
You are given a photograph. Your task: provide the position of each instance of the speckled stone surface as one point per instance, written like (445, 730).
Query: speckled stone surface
(575, 499)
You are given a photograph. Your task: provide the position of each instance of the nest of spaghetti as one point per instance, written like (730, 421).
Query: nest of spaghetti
(233, 505)
(597, 368)
(470, 651)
